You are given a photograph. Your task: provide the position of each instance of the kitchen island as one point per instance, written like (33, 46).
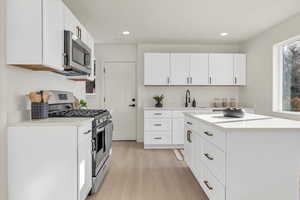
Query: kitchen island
(255, 157)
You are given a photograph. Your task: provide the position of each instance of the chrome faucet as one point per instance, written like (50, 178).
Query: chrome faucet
(187, 98)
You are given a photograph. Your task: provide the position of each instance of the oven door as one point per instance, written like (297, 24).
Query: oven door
(77, 55)
(108, 136)
(98, 149)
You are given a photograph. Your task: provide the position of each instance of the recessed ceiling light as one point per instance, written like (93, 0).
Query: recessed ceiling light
(224, 34)
(126, 33)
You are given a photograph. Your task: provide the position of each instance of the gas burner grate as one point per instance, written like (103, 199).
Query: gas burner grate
(78, 113)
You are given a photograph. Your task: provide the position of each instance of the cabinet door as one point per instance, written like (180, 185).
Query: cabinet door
(221, 69)
(53, 33)
(197, 152)
(187, 147)
(240, 69)
(199, 69)
(84, 167)
(156, 69)
(193, 144)
(70, 21)
(178, 131)
(180, 69)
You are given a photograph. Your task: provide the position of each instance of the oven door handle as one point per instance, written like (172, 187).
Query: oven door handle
(100, 129)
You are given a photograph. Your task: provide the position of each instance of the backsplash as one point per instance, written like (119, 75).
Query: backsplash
(175, 96)
(22, 81)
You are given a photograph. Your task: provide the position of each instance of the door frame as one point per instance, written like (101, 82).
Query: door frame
(103, 82)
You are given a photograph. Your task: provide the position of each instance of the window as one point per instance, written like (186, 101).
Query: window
(286, 85)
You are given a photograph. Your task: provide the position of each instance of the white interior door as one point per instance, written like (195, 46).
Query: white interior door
(120, 98)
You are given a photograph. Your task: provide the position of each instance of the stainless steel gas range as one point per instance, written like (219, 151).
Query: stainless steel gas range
(61, 105)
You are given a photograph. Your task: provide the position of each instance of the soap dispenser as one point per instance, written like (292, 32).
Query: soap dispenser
(194, 103)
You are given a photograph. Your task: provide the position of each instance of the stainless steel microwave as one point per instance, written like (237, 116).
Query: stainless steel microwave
(77, 55)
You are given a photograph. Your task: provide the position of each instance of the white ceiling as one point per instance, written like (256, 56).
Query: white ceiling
(180, 21)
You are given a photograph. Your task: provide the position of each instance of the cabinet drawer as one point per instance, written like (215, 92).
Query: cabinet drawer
(157, 124)
(213, 135)
(157, 114)
(214, 159)
(157, 138)
(212, 187)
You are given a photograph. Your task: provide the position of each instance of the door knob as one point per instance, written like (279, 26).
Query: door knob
(132, 105)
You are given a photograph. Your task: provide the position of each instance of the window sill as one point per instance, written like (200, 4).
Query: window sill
(288, 114)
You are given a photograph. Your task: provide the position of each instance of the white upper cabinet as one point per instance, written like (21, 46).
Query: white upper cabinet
(35, 34)
(157, 69)
(180, 69)
(240, 62)
(194, 69)
(53, 40)
(71, 21)
(221, 69)
(199, 69)
(73, 24)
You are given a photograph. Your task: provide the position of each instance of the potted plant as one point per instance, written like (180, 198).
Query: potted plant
(83, 104)
(159, 100)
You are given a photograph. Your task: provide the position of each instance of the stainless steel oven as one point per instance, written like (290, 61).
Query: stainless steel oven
(102, 145)
(77, 55)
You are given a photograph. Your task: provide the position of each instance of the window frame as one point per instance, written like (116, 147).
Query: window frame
(278, 75)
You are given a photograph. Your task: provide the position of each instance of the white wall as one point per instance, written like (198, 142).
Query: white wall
(258, 92)
(15, 83)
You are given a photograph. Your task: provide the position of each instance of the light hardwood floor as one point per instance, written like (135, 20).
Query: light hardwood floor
(138, 174)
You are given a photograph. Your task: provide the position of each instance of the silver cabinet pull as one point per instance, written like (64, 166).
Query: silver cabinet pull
(208, 134)
(157, 124)
(157, 138)
(209, 157)
(188, 135)
(189, 123)
(207, 185)
(157, 113)
(85, 133)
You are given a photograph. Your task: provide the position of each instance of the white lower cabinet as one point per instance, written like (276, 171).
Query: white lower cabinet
(212, 187)
(165, 128)
(159, 123)
(178, 128)
(158, 138)
(205, 160)
(243, 163)
(49, 161)
(84, 151)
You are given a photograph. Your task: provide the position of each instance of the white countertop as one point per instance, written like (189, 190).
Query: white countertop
(174, 108)
(250, 121)
(272, 123)
(219, 118)
(53, 122)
